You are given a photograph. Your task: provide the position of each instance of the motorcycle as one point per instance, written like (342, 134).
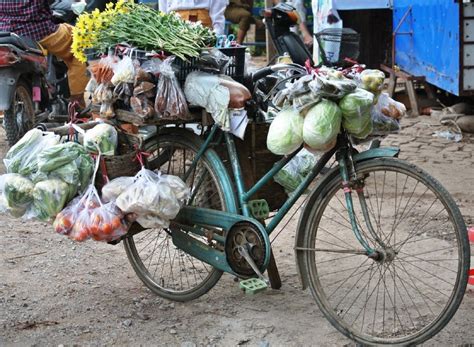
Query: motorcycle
(279, 20)
(34, 88)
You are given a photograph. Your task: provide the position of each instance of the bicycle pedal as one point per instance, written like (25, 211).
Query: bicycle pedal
(253, 285)
(259, 209)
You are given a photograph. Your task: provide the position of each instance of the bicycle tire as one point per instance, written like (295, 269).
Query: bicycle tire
(21, 98)
(201, 285)
(409, 279)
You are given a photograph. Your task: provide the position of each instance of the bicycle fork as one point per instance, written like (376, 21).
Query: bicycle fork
(352, 181)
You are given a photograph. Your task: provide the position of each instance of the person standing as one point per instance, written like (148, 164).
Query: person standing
(209, 12)
(240, 12)
(34, 19)
(303, 27)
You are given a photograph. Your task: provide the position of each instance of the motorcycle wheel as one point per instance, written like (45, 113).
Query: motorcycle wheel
(20, 117)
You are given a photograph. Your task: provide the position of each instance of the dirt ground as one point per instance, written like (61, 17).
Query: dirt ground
(54, 291)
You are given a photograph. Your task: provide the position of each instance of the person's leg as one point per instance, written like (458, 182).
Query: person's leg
(59, 44)
(241, 16)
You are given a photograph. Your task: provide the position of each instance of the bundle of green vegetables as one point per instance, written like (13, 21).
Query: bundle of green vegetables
(68, 161)
(43, 175)
(22, 158)
(145, 28)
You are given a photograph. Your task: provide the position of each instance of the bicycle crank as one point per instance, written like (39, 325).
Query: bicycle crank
(246, 250)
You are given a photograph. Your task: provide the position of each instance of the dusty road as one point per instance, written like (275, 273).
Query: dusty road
(54, 291)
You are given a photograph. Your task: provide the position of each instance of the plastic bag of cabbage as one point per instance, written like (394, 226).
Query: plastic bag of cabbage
(286, 132)
(16, 194)
(43, 200)
(321, 126)
(355, 109)
(103, 138)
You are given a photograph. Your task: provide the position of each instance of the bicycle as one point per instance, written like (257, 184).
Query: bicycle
(398, 279)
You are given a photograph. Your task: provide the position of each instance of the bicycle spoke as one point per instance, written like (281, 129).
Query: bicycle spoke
(407, 286)
(418, 259)
(414, 286)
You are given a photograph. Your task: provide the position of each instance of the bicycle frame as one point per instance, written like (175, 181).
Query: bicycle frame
(343, 151)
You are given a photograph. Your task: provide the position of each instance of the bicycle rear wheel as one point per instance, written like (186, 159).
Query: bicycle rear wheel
(417, 283)
(165, 269)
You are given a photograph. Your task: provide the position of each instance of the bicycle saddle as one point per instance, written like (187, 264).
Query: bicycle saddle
(239, 94)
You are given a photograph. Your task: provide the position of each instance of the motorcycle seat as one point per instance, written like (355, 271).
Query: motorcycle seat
(20, 41)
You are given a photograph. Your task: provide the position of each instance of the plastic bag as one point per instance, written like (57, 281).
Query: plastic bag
(146, 89)
(213, 60)
(293, 173)
(91, 85)
(152, 66)
(106, 110)
(327, 18)
(372, 80)
(87, 217)
(103, 93)
(103, 138)
(104, 96)
(286, 132)
(141, 106)
(123, 91)
(124, 71)
(65, 219)
(22, 158)
(332, 88)
(203, 89)
(17, 194)
(382, 125)
(321, 125)
(68, 161)
(103, 69)
(59, 155)
(386, 114)
(170, 102)
(115, 187)
(49, 198)
(154, 198)
(389, 107)
(355, 109)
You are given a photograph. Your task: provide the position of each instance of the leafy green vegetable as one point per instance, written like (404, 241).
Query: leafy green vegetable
(18, 190)
(322, 124)
(85, 164)
(49, 198)
(146, 28)
(57, 156)
(286, 132)
(355, 109)
(69, 173)
(68, 161)
(102, 137)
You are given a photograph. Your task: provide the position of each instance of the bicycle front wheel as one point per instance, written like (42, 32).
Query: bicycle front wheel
(413, 287)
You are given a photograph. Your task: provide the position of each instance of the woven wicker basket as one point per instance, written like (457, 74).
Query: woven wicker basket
(122, 164)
